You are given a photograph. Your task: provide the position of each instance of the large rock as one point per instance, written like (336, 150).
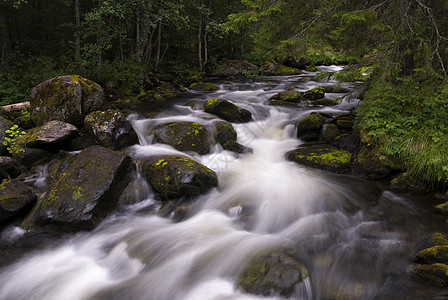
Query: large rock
(9, 168)
(270, 68)
(177, 176)
(227, 110)
(225, 132)
(309, 127)
(371, 163)
(325, 157)
(184, 136)
(315, 93)
(235, 68)
(286, 96)
(49, 135)
(110, 129)
(84, 189)
(435, 274)
(5, 124)
(298, 63)
(436, 254)
(15, 197)
(273, 272)
(65, 98)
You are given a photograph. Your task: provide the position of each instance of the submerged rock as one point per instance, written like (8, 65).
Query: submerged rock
(110, 129)
(52, 134)
(178, 176)
(234, 146)
(272, 273)
(184, 136)
(84, 189)
(325, 157)
(15, 197)
(65, 98)
(227, 110)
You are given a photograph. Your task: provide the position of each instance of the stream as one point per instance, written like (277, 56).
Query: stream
(357, 238)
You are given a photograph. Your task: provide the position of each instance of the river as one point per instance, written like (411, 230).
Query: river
(357, 238)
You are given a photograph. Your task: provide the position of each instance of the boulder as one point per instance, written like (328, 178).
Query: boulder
(224, 132)
(283, 70)
(315, 93)
(405, 182)
(330, 132)
(236, 147)
(178, 176)
(323, 156)
(309, 127)
(30, 157)
(436, 254)
(83, 190)
(5, 124)
(235, 68)
(438, 239)
(65, 98)
(372, 163)
(298, 63)
(268, 68)
(442, 208)
(227, 110)
(9, 168)
(204, 86)
(50, 135)
(15, 198)
(435, 274)
(110, 129)
(287, 96)
(184, 136)
(276, 272)
(348, 142)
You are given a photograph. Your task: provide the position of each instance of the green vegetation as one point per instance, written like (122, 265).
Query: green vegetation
(11, 141)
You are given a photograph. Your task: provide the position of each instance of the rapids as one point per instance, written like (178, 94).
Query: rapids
(356, 238)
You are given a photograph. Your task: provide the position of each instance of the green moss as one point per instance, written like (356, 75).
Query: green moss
(315, 93)
(283, 70)
(204, 86)
(212, 102)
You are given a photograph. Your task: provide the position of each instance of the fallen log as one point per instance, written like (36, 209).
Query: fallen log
(16, 106)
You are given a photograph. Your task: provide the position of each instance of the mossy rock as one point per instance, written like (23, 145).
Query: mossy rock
(65, 98)
(235, 68)
(309, 127)
(5, 124)
(323, 156)
(15, 198)
(315, 93)
(373, 163)
(276, 272)
(287, 96)
(224, 132)
(436, 254)
(275, 102)
(348, 142)
(178, 176)
(184, 136)
(84, 190)
(330, 132)
(435, 274)
(335, 89)
(438, 239)
(204, 86)
(406, 182)
(268, 68)
(442, 208)
(110, 129)
(227, 110)
(283, 70)
(9, 168)
(31, 157)
(325, 102)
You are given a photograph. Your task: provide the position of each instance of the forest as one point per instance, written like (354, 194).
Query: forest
(399, 48)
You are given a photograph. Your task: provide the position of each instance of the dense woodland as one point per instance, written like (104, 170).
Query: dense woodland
(398, 47)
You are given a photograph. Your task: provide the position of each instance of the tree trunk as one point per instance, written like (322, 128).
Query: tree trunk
(5, 40)
(200, 43)
(159, 43)
(78, 26)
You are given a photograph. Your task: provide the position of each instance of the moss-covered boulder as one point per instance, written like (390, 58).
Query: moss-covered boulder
(405, 182)
(324, 102)
(438, 239)
(273, 272)
(227, 110)
(436, 254)
(235, 68)
(51, 135)
(110, 129)
(65, 98)
(435, 274)
(442, 208)
(323, 156)
(184, 136)
(309, 127)
(286, 96)
(5, 124)
(373, 163)
(315, 93)
(83, 190)
(9, 168)
(204, 86)
(178, 176)
(268, 68)
(330, 132)
(283, 70)
(15, 198)
(224, 132)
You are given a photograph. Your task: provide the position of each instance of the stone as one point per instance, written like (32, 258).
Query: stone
(9, 168)
(52, 134)
(236, 147)
(372, 164)
(224, 132)
(310, 126)
(330, 132)
(204, 86)
(435, 254)
(435, 274)
(287, 96)
(315, 93)
(15, 198)
(227, 110)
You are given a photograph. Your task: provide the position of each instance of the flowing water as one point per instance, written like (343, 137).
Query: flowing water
(356, 238)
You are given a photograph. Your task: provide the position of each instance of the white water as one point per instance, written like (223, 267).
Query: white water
(262, 202)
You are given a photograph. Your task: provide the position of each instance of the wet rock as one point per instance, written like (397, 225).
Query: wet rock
(49, 136)
(405, 182)
(325, 157)
(204, 86)
(227, 110)
(236, 147)
(275, 102)
(438, 239)
(442, 208)
(436, 254)
(371, 163)
(65, 98)
(283, 70)
(309, 127)
(335, 89)
(110, 129)
(5, 124)
(268, 68)
(82, 141)
(184, 136)
(224, 132)
(83, 191)
(330, 132)
(315, 93)
(177, 176)
(30, 157)
(298, 63)
(272, 273)
(9, 168)
(435, 274)
(344, 122)
(235, 68)
(348, 142)
(286, 96)
(325, 102)
(15, 198)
